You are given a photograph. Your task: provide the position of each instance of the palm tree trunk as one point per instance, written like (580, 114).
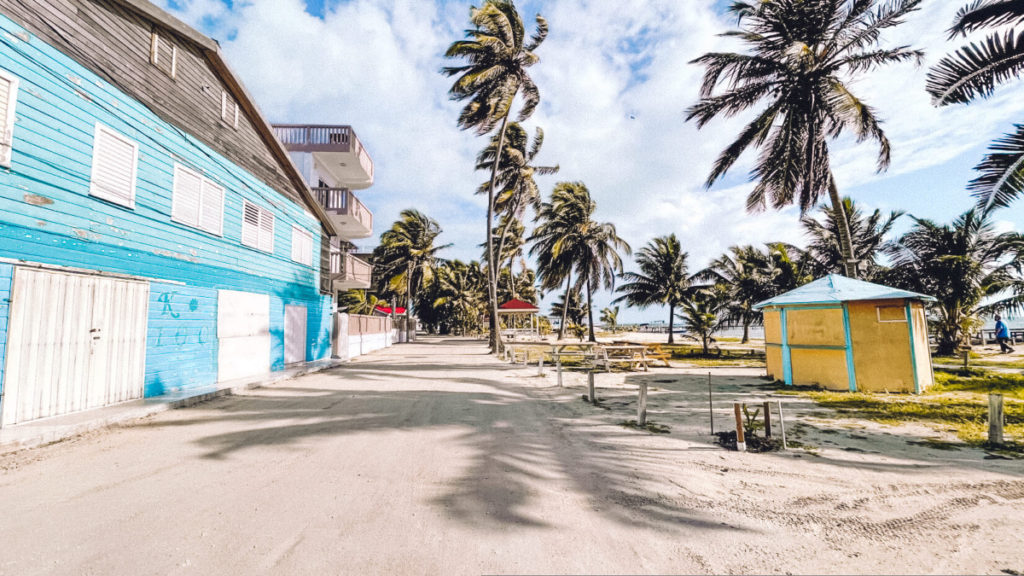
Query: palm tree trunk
(590, 312)
(746, 332)
(492, 267)
(671, 322)
(845, 241)
(565, 306)
(408, 308)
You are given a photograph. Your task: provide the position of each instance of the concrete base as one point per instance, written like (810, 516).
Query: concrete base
(50, 430)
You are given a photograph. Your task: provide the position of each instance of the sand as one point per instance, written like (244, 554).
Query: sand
(433, 458)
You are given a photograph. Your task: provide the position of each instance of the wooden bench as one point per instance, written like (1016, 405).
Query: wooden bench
(631, 355)
(656, 352)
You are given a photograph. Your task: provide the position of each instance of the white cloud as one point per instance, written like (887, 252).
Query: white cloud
(615, 80)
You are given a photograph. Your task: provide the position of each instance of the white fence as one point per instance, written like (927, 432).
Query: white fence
(358, 335)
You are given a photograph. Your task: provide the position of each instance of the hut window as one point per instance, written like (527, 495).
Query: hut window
(8, 97)
(114, 166)
(163, 55)
(229, 110)
(197, 201)
(257, 227)
(892, 314)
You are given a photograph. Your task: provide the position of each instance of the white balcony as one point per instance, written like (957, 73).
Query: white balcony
(351, 218)
(337, 151)
(349, 272)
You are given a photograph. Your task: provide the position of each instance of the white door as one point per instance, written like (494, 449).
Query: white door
(243, 333)
(74, 342)
(294, 334)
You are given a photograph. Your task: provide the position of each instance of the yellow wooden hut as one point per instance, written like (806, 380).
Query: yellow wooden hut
(845, 334)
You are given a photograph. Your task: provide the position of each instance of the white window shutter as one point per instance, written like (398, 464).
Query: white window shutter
(212, 219)
(266, 231)
(250, 225)
(302, 246)
(114, 165)
(8, 98)
(185, 200)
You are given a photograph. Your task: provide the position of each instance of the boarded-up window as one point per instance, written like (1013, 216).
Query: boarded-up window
(115, 161)
(302, 246)
(197, 201)
(257, 227)
(229, 110)
(891, 313)
(8, 98)
(163, 54)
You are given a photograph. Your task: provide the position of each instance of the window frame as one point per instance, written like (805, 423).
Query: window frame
(7, 123)
(94, 190)
(154, 55)
(229, 119)
(878, 312)
(204, 182)
(308, 236)
(262, 215)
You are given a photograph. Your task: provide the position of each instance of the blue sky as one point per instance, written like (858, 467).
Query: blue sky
(615, 81)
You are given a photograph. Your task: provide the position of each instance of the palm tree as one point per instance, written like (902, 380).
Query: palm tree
(358, 302)
(748, 276)
(497, 55)
(803, 55)
(571, 314)
(407, 257)
(705, 312)
(867, 234)
(461, 294)
(961, 265)
(663, 279)
(610, 318)
(569, 240)
(974, 71)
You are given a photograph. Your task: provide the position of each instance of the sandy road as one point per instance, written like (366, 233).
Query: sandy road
(434, 459)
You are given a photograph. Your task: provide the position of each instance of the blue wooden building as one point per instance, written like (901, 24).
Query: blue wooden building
(155, 237)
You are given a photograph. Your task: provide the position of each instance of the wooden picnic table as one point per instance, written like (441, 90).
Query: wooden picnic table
(630, 354)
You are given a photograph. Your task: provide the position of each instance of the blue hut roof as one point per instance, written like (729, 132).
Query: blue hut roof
(834, 289)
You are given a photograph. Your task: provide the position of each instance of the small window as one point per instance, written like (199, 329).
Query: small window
(891, 313)
(164, 55)
(229, 110)
(197, 201)
(115, 160)
(257, 227)
(8, 99)
(302, 246)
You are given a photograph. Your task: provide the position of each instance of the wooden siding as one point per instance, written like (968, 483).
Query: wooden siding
(114, 43)
(6, 274)
(47, 215)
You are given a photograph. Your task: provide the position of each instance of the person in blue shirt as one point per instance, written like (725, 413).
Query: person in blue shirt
(1002, 335)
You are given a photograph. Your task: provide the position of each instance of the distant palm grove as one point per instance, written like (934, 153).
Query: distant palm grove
(801, 60)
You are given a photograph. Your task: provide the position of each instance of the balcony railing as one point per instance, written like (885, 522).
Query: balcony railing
(343, 201)
(324, 138)
(346, 267)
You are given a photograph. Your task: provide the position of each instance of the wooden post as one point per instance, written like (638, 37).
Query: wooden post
(526, 356)
(540, 365)
(590, 387)
(767, 420)
(995, 419)
(711, 406)
(782, 424)
(967, 355)
(558, 363)
(641, 406)
(741, 441)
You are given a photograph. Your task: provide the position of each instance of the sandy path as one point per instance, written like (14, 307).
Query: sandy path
(434, 459)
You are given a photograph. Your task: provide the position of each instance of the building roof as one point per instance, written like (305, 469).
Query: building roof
(834, 289)
(517, 306)
(386, 310)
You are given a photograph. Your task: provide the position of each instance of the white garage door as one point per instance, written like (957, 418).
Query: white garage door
(75, 342)
(294, 334)
(243, 333)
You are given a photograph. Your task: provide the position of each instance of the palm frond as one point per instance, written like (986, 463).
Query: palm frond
(986, 14)
(1001, 177)
(976, 69)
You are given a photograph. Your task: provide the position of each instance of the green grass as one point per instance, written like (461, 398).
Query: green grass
(958, 402)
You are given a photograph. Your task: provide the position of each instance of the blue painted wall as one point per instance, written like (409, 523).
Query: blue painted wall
(47, 215)
(6, 273)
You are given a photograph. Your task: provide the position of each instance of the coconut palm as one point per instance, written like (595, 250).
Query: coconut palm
(610, 318)
(406, 258)
(748, 276)
(568, 241)
(497, 55)
(967, 266)
(705, 312)
(572, 314)
(867, 234)
(803, 55)
(358, 302)
(663, 279)
(973, 72)
(461, 295)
